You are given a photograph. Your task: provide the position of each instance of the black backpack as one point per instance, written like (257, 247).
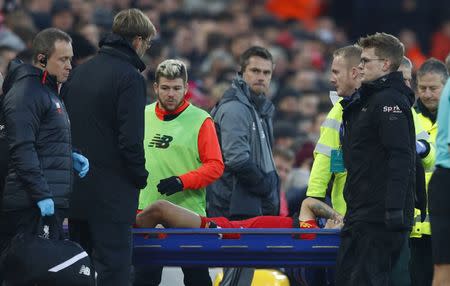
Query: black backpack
(42, 257)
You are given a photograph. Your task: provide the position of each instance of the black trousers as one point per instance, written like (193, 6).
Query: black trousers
(151, 276)
(110, 247)
(439, 199)
(367, 254)
(421, 261)
(400, 275)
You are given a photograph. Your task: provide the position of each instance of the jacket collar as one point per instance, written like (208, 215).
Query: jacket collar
(264, 106)
(421, 108)
(118, 46)
(19, 70)
(170, 115)
(391, 80)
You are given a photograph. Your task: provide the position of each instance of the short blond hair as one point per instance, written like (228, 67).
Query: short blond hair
(351, 54)
(131, 23)
(171, 69)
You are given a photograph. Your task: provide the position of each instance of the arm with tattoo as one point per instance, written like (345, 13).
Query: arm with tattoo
(312, 208)
(321, 209)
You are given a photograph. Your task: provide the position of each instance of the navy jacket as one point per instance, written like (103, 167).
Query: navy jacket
(379, 151)
(38, 134)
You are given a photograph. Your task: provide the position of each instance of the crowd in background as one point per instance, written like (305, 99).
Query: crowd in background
(210, 35)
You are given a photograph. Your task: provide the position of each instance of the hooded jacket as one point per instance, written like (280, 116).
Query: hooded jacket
(379, 151)
(105, 99)
(38, 135)
(249, 185)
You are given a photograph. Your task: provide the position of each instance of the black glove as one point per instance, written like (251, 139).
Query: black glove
(421, 193)
(170, 186)
(394, 219)
(263, 188)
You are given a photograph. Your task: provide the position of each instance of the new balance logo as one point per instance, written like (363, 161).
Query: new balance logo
(160, 141)
(85, 270)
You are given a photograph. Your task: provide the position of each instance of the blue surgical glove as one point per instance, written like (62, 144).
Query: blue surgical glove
(47, 207)
(80, 164)
(420, 148)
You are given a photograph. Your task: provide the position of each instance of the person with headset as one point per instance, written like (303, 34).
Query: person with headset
(249, 186)
(39, 175)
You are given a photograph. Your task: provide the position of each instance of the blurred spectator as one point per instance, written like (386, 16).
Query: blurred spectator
(210, 6)
(83, 50)
(308, 104)
(299, 176)
(103, 18)
(90, 32)
(10, 46)
(9, 40)
(287, 105)
(284, 160)
(39, 11)
(304, 10)
(19, 19)
(306, 80)
(26, 34)
(297, 180)
(240, 43)
(440, 43)
(412, 48)
(62, 17)
(284, 134)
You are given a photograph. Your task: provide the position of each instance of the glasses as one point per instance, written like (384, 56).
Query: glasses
(364, 61)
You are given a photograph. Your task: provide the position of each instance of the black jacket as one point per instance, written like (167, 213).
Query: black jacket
(38, 133)
(379, 151)
(105, 99)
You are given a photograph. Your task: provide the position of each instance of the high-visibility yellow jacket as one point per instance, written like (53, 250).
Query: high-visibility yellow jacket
(320, 173)
(329, 140)
(421, 228)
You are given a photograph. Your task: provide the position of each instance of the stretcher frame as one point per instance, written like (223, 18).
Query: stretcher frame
(254, 247)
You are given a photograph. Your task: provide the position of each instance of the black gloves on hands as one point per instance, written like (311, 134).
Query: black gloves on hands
(170, 186)
(394, 219)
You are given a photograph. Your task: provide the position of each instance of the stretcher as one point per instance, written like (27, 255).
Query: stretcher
(259, 248)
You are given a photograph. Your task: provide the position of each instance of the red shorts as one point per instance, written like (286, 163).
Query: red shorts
(256, 222)
(308, 224)
(259, 222)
